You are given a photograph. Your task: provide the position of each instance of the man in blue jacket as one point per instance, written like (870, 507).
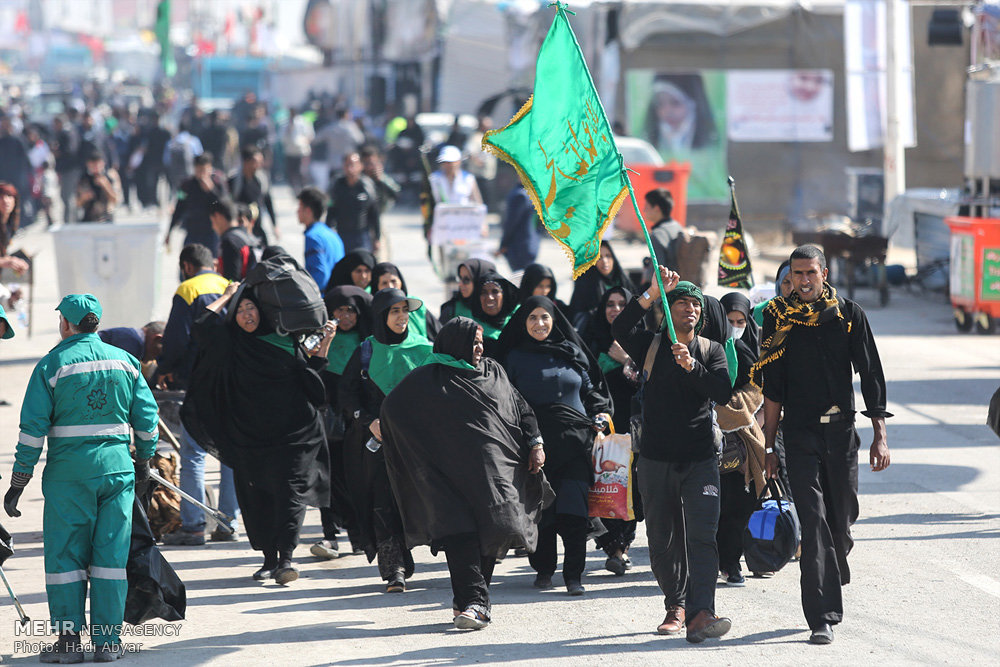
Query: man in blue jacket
(324, 248)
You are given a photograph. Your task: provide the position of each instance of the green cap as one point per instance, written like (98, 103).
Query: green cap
(9, 333)
(75, 307)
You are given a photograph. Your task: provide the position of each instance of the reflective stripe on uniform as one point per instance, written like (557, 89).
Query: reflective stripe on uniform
(94, 366)
(115, 573)
(53, 578)
(30, 440)
(85, 430)
(145, 435)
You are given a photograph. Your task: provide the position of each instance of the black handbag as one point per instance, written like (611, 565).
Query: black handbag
(772, 534)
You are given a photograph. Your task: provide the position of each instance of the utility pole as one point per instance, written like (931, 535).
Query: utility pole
(894, 157)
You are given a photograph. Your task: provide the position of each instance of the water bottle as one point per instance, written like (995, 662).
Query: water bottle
(312, 341)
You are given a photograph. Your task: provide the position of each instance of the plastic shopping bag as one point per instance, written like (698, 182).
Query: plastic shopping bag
(610, 497)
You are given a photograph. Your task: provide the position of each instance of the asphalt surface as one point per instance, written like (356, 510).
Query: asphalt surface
(925, 590)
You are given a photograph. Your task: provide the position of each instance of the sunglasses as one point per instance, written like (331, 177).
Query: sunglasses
(465, 280)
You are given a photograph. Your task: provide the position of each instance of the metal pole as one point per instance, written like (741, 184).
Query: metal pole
(17, 603)
(221, 520)
(894, 158)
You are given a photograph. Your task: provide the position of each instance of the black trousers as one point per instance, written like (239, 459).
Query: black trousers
(823, 472)
(681, 503)
(573, 530)
(471, 573)
(390, 541)
(272, 513)
(736, 504)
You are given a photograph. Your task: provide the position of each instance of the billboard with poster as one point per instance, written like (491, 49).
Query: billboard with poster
(780, 105)
(683, 115)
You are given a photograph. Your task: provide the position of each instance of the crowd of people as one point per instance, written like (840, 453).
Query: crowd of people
(103, 152)
(349, 420)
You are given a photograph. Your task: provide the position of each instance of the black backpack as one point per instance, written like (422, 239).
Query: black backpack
(772, 535)
(288, 295)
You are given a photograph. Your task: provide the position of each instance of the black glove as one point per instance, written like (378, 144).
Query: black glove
(18, 481)
(141, 470)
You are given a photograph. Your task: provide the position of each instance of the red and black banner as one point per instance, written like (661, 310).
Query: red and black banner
(734, 260)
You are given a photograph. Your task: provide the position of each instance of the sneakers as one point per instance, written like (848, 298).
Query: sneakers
(616, 564)
(706, 625)
(325, 549)
(222, 535)
(67, 650)
(735, 579)
(575, 588)
(822, 635)
(471, 620)
(109, 652)
(396, 584)
(183, 538)
(673, 623)
(543, 581)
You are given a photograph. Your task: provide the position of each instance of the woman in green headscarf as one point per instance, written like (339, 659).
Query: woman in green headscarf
(387, 275)
(376, 367)
(350, 307)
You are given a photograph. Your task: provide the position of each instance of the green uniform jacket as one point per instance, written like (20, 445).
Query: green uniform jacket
(86, 396)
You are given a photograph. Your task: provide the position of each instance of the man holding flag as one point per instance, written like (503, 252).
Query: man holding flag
(563, 149)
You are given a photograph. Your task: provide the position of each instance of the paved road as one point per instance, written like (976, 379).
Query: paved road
(926, 585)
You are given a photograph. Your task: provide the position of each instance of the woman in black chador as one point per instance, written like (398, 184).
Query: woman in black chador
(550, 365)
(254, 403)
(621, 373)
(467, 477)
(374, 370)
(597, 280)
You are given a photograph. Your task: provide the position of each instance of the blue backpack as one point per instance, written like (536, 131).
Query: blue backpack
(772, 535)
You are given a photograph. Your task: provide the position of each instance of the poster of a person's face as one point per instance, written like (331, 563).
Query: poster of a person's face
(680, 115)
(780, 105)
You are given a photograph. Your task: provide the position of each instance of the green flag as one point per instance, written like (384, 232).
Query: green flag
(562, 147)
(163, 37)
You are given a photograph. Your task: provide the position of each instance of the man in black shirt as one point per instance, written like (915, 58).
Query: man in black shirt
(811, 340)
(678, 467)
(194, 197)
(354, 209)
(250, 185)
(239, 250)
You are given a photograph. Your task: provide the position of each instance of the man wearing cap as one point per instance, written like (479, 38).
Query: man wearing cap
(451, 184)
(354, 210)
(87, 397)
(678, 468)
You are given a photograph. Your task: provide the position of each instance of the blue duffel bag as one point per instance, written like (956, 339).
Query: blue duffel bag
(772, 535)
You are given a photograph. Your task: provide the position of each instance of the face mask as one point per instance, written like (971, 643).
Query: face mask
(738, 333)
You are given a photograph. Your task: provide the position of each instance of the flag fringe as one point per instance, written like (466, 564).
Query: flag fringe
(536, 201)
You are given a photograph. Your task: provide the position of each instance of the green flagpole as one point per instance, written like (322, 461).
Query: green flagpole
(652, 256)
